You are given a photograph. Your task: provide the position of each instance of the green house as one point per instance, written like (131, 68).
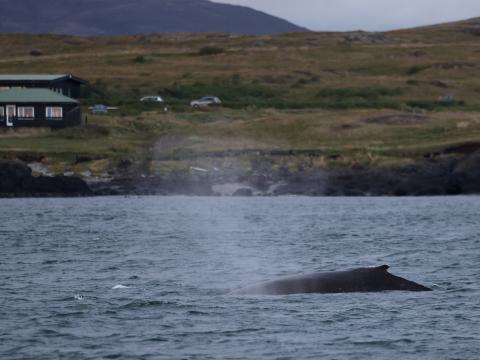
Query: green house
(23, 107)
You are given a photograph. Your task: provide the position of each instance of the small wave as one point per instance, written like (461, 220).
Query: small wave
(113, 356)
(196, 312)
(79, 297)
(157, 339)
(137, 304)
(224, 332)
(50, 333)
(383, 343)
(69, 314)
(50, 262)
(459, 290)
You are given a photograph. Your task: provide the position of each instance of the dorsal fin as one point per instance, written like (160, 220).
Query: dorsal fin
(383, 267)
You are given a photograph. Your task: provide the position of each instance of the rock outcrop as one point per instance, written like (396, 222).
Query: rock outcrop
(444, 175)
(16, 180)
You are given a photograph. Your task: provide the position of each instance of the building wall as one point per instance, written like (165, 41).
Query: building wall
(68, 88)
(72, 116)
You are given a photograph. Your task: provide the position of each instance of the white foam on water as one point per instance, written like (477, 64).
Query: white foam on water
(117, 287)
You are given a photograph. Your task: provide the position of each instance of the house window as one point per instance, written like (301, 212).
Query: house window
(25, 113)
(2, 113)
(54, 113)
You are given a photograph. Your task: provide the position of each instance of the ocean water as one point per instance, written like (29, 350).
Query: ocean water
(150, 278)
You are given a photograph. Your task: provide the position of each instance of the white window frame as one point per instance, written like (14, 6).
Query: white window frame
(21, 113)
(49, 111)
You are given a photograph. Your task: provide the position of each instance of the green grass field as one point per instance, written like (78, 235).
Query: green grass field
(347, 98)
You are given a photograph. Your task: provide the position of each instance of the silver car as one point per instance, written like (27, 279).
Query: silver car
(206, 101)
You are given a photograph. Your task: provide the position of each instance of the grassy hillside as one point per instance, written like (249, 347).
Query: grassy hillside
(338, 98)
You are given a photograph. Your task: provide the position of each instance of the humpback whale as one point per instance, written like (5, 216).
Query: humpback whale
(366, 279)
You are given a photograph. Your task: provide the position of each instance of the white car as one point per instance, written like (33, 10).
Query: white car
(206, 101)
(154, 98)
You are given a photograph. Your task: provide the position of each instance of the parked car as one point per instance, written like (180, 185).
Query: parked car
(101, 109)
(206, 101)
(153, 98)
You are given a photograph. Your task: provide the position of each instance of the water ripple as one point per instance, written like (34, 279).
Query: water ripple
(180, 257)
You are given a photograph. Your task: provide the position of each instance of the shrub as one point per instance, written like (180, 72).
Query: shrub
(140, 59)
(36, 52)
(432, 105)
(210, 50)
(415, 69)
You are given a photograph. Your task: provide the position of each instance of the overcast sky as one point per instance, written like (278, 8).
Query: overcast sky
(365, 14)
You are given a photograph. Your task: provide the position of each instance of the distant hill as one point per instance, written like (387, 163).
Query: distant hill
(469, 26)
(122, 17)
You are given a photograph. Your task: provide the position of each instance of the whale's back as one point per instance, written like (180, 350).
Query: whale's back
(356, 280)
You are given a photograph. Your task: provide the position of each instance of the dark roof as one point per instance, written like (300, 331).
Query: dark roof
(22, 95)
(40, 77)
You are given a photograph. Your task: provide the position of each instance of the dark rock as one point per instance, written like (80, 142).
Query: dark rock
(125, 164)
(443, 174)
(82, 159)
(30, 157)
(243, 192)
(260, 181)
(16, 180)
(465, 177)
(312, 183)
(465, 148)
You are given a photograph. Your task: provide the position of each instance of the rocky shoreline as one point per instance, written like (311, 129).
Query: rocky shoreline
(437, 175)
(444, 174)
(16, 180)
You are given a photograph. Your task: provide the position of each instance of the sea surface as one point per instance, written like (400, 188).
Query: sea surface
(150, 278)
